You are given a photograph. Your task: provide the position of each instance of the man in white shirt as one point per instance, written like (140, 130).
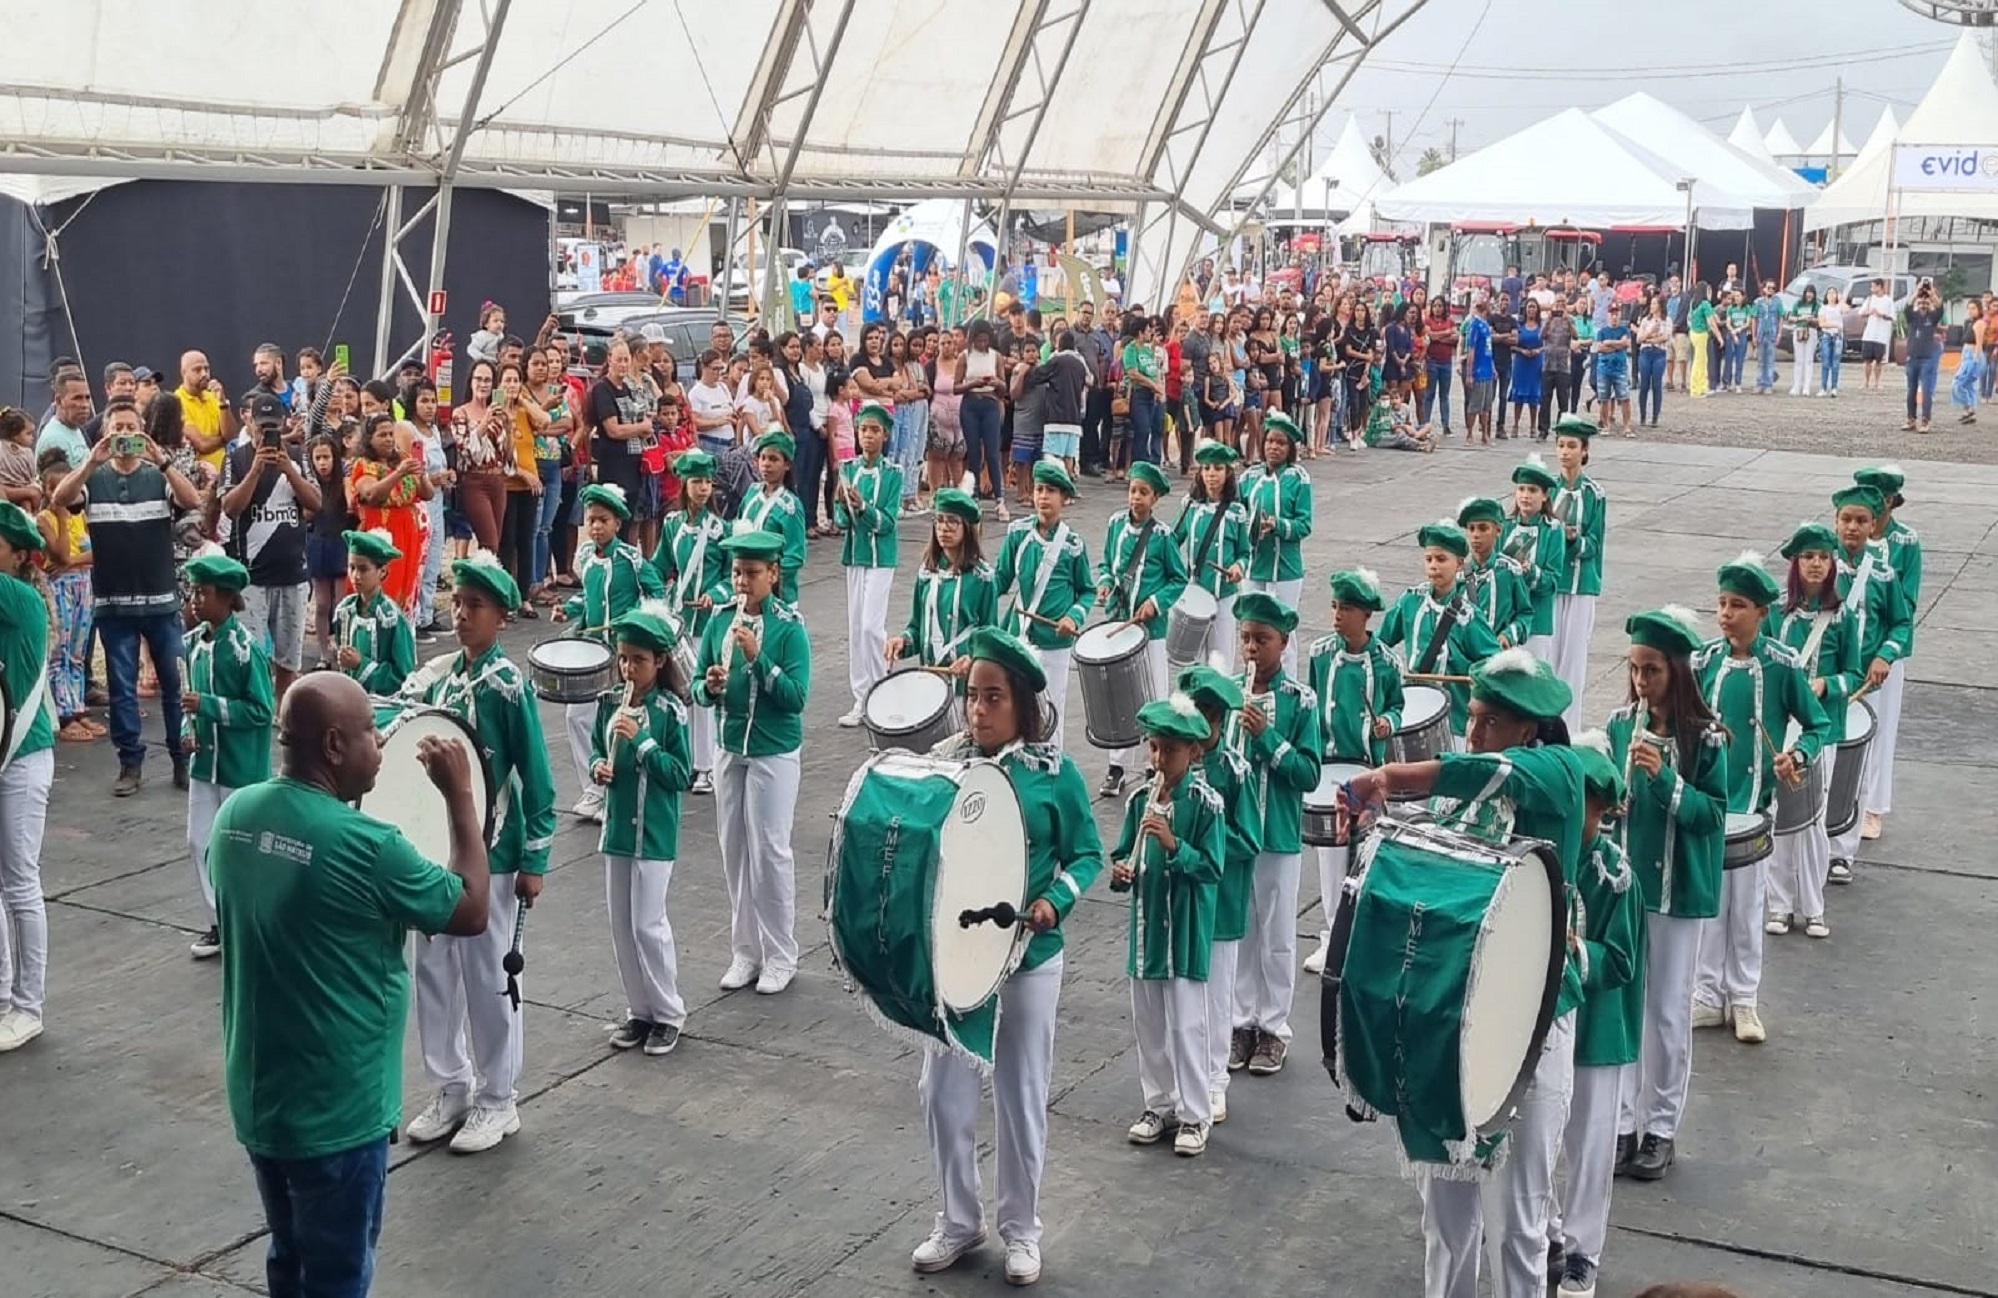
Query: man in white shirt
(1878, 312)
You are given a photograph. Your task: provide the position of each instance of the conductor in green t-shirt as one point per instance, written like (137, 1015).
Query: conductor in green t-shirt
(312, 897)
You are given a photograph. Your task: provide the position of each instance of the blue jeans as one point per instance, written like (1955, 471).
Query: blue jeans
(120, 634)
(325, 1216)
(808, 473)
(1765, 362)
(1437, 397)
(550, 503)
(433, 561)
(1831, 355)
(981, 419)
(1147, 425)
(1650, 382)
(1734, 358)
(1921, 383)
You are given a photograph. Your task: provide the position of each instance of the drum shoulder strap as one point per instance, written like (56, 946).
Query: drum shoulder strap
(1440, 638)
(1127, 582)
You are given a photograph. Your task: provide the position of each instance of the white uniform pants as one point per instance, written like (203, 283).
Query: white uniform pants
(1222, 636)
(1331, 874)
(1574, 623)
(701, 737)
(1137, 757)
(1510, 1208)
(24, 920)
(1799, 865)
(577, 719)
(1878, 783)
(648, 968)
(1541, 647)
(203, 801)
(754, 800)
(867, 591)
(1022, 1072)
(1266, 975)
(1653, 1095)
(1221, 960)
(1288, 592)
(460, 983)
(1591, 1144)
(1730, 968)
(1169, 1016)
(1054, 663)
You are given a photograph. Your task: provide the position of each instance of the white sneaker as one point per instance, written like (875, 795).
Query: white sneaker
(486, 1126)
(740, 974)
(1149, 1129)
(1708, 1016)
(1748, 1027)
(1191, 1141)
(1023, 1262)
(1217, 1104)
(940, 1252)
(17, 1029)
(1315, 962)
(850, 720)
(442, 1116)
(590, 806)
(1815, 926)
(1870, 829)
(774, 980)
(1776, 925)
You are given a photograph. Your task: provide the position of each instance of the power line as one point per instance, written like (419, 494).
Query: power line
(1450, 71)
(1683, 69)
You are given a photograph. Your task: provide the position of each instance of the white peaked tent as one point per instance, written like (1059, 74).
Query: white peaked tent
(1730, 183)
(1960, 108)
(1351, 164)
(1884, 132)
(1780, 143)
(1822, 146)
(1747, 135)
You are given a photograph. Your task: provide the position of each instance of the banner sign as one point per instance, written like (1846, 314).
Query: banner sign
(1947, 167)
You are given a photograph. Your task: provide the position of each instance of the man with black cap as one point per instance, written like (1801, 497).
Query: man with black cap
(267, 500)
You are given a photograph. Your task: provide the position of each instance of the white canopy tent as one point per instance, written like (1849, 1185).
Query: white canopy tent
(1730, 182)
(1960, 108)
(1747, 135)
(1884, 131)
(1350, 168)
(1780, 143)
(792, 100)
(1825, 147)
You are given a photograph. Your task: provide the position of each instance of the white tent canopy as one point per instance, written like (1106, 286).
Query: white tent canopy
(1351, 168)
(1884, 131)
(1747, 135)
(1731, 183)
(1960, 108)
(1780, 143)
(1822, 147)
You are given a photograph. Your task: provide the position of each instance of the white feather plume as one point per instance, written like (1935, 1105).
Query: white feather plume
(1512, 662)
(1746, 559)
(1467, 502)
(1535, 460)
(612, 489)
(1183, 704)
(1598, 740)
(479, 557)
(1687, 619)
(1369, 578)
(1894, 469)
(744, 526)
(659, 608)
(381, 534)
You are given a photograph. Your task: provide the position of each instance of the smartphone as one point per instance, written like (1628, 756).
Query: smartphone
(273, 436)
(128, 444)
(341, 357)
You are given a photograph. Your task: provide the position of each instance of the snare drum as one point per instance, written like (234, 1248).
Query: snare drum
(1187, 623)
(1842, 802)
(1116, 679)
(1797, 809)
(1447, 1054)
(1425, 726)
(1321, 805)
(572, 669)
(403, 794)
(917, 841)
(1748, 839)
(913, 710)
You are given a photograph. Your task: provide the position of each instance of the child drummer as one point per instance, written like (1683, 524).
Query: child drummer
(1584, 513)
(1213, 536)
(1170, 856)
(1882, 601)
(955, 591)
(1438, 629)
(867, 504)
(1219, 697)
(459, 980)
(1044, 565)
(1496, 581)
(1358, 683)
(377, 642)
(774, 508)
(638, 756)
(1277, 732)
(1756, 688)
(756, 667)
(1277, 494)
(691, 563)
(1139, 579)
(1535, 538)
(614, 576)
(226, 713)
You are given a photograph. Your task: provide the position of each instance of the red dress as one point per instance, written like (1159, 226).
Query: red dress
(402, 519)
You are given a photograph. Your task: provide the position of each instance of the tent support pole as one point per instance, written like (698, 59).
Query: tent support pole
(957, 276)
(728, 254)
(385, 300)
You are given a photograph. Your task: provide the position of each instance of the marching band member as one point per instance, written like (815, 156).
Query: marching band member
(866, 505)
(1815, 624)
(774, 508)
(1904, 556)
(955, 591)
(1756, 687)
(1213, 536)
(459, 980)
(1277, 494)
(1519, 778)
(1219, 697)
(26, 774)
(1439, 629)
(225, 713)
(1535, 538)
(1170, 856)
(377, 642)
(1672, 755)
(614, 578)
(1584, 511)
(1608, 1021)
(638, 756)
(691, 563)
(1064, 856)
(1358, 683)
(1873, 593)
(1139, 579)
(1044, 563)
(756, 667)
(1496, 582)
(1277, 731)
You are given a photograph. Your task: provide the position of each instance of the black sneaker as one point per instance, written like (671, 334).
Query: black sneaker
(1269, 1055)
(1241, 1044)
(704, 784)
(1653, 1159)
(662, 1039)
(1113, 783)
(427, 633)
(1626, 1149)
(1578, 1278)
(207, 946)
(629, 1033)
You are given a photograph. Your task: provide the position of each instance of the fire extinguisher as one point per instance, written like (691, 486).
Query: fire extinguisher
(438, 367)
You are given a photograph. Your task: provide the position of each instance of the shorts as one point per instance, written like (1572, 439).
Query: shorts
(1026, 451)
(1478, 396)
(279, 612)
(325, 557)
(1871, 351)
(1613, 384)
(1062, 440)
(1682, 348)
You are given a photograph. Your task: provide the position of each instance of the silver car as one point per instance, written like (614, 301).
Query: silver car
(1848, 280)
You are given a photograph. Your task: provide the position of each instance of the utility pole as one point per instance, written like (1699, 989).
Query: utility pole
(1387, 138)
(1838, 114)
(1453, 124)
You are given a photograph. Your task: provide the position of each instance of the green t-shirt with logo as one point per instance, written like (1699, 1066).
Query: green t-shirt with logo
(313, 899)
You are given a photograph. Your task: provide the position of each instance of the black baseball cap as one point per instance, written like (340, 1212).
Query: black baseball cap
(266, 409)
(146, 374)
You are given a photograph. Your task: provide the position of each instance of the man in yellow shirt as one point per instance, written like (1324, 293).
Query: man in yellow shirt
(210, 422)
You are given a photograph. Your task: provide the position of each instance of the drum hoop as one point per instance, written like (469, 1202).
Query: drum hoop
(1137, 646)
(482, 773)
(1020, 932)
(1541, 852)
(1410, 723)
(1194, 594)
(534, 658)
(1758, 824)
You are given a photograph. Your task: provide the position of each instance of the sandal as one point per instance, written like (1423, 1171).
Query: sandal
(75, 732)
(96, 728)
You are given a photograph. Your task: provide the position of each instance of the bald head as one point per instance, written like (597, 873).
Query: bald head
(326, 726)
(194, 370)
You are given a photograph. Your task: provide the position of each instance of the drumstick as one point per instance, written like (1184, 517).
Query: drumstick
(1770, 745)
(1032, 616)
(1435, 678)
(1860, 693)
(514, 961)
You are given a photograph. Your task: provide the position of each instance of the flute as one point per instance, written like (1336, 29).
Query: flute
(1153, 807)
(629, 706)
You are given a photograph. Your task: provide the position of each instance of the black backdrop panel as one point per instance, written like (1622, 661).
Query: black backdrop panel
(153, 268)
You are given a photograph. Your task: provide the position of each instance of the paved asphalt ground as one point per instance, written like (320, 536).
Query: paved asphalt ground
(779, 1151)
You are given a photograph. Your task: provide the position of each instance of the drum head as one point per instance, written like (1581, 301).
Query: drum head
(571, 654)
(1198, 602)
(982, 860)
(1509, 1003)
(1421, 705)
(1109, 641)
(1330, 776)
(1746, 824)
(403, 794)
(1859, 722)
(906, 700)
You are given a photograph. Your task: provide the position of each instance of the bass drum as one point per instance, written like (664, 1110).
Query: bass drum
(913, 710)
(403, 794)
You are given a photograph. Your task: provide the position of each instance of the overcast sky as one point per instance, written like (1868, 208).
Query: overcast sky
(1711, 56)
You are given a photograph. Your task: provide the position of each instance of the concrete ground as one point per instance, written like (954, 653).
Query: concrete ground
(780, 1150)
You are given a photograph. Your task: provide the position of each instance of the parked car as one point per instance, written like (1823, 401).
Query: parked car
(686, 329)
(1848, 280)
(788, 259)
(608, 310)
